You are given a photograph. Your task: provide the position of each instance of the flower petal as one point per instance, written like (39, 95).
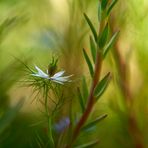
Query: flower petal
(58, 78)
(64, 78)
(58, 74)
(61, 79)
(41, 76)
(41, 73)
(57, 81)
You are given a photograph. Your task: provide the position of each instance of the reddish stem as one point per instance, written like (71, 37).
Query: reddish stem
(91, 100)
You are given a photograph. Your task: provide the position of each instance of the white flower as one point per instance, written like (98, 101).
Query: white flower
(57, 77)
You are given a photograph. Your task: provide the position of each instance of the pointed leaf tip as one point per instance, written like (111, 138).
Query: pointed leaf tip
(94, 122)
(110, 43)
(88, 63)
(112, 4)
(102, 39)
(91, 26)
(101, 86)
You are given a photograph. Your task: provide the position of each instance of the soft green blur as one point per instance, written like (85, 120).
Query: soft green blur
(32, 31)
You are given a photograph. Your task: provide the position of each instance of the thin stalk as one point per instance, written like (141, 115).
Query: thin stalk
(91, 99)
(52, 144)
(49, 118)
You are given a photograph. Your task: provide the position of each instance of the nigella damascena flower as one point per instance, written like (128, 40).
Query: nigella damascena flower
(57, 77)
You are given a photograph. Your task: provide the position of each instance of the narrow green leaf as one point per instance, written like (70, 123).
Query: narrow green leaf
(81, 101)
(99, 12)
(91, 26)
(84, 90)
(93, 123)
(110, 43)
(111, 6)
(104, 4)
(103, 37)
(88, 63)
(93, 49)
(88, 145)
(101, 86)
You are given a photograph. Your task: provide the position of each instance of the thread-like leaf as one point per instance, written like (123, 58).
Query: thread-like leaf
(88, 63)
(91, 26)
(93, 49)
(84, 89)
(81, 101)
(93, 123)
(101, 86)
(88, 145)
(110, 43)
(111, 6)
(103, 37)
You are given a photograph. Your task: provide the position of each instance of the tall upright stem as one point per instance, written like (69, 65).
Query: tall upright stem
(91, 98)
(49, 119)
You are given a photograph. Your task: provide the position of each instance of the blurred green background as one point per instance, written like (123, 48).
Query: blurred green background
(34, 30)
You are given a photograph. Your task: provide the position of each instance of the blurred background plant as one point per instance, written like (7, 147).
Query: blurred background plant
(35, 30)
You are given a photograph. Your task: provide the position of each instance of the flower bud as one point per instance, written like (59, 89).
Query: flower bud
(52, 67)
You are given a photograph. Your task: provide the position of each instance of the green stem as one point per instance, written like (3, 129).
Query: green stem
(49, 118)
(52, 144)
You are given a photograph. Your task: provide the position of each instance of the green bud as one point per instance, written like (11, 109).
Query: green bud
(52, 67)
